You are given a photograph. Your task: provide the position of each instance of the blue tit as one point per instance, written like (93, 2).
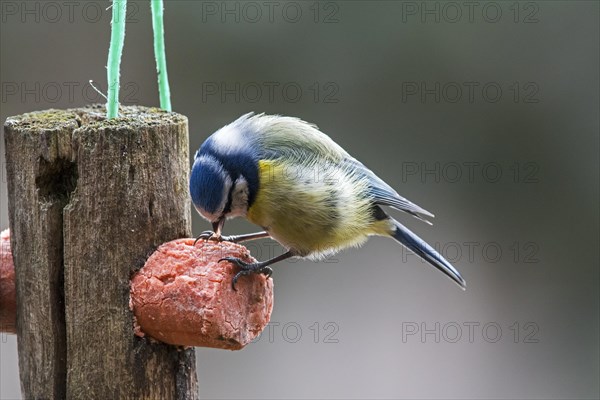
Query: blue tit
(302, 188)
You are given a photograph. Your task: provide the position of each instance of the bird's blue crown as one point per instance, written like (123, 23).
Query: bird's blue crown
(226, 154)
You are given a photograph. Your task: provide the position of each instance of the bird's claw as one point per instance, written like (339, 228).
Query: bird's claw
(210, 235)
(267, 271)
(247, 269)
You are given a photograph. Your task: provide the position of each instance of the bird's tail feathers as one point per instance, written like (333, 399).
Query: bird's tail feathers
(403, 235)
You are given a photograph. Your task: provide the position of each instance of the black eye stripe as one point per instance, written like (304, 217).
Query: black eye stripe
(227, 208)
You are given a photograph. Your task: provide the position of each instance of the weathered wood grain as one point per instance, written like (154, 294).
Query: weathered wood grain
(89, 200)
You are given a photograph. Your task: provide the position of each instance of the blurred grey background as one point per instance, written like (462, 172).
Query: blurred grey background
(484, 113)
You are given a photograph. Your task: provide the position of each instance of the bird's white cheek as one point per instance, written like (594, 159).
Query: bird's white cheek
(237, 213)
(239, 199)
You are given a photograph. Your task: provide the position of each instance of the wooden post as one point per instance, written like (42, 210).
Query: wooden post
(89, 200)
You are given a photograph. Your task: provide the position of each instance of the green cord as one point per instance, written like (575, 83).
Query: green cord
(159, 54)
(117, 39)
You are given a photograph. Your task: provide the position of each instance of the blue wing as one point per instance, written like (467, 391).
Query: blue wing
(290, 138)
(384, 194)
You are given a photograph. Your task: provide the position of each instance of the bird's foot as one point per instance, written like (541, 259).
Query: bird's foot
(210, 235)
(247, 269)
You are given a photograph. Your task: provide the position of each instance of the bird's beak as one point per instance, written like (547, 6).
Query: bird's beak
(218, 226)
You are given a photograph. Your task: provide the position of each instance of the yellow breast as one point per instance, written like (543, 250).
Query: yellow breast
(308, 213)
